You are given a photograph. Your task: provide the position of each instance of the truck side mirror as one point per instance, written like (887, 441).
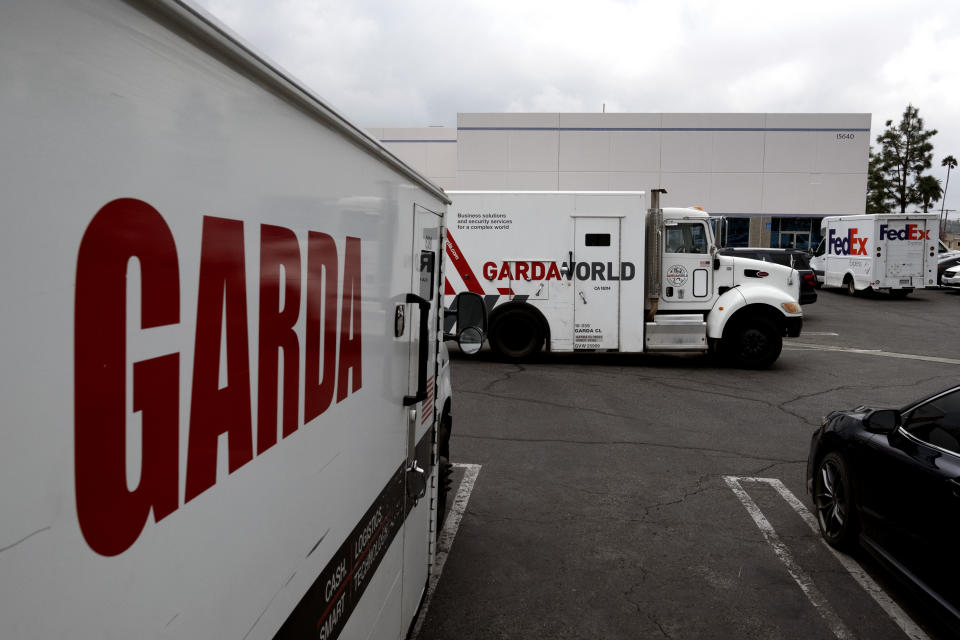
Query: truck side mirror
(471, 321)
(470, 340)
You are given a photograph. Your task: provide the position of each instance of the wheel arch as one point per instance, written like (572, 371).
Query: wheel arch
(834, 442)
(445, 429)
(756, 310)
(725, 316)
(525, 307)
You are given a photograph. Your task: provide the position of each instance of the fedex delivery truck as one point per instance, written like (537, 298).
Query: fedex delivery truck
(894, 252)
(603, 271)
(224, 387)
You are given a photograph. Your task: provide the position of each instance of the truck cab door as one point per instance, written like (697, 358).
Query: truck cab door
(687, 266)
(423, 321)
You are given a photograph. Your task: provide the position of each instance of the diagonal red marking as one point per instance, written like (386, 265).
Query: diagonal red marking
(462, 266)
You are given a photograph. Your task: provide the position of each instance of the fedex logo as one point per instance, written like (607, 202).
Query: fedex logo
(909, 232)
(851, 245)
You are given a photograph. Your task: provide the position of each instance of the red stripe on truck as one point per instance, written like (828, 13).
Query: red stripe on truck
(462, 266)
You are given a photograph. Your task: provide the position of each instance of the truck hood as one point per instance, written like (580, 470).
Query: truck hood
(748, 272)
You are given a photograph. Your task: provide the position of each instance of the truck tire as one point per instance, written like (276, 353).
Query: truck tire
(752, 344)
(444, 468)
(516, 334)
(851, 286)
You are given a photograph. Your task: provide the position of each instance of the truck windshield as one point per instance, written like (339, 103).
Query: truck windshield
(686, 237)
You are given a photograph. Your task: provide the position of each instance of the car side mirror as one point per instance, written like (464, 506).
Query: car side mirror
(883, 421)
(470, 317)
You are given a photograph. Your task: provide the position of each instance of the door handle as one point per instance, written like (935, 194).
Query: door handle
(424, 305)
(582, 297)
(416, 482)
(416, 477)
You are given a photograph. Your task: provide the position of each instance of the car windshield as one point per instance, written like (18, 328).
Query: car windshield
(937, 421)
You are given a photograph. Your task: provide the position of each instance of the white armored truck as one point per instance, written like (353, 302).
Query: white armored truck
(225, 395)
(599, 271)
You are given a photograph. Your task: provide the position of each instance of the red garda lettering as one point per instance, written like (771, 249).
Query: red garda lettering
(321, 323)
(350, 329)
(537, 271)
(279, 271)
(522, 269)
(504, 272)
(553, 273)
(111, 516)
(221, 300)
(490, 270)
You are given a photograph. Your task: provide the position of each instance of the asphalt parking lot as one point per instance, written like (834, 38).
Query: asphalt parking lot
(664, 497)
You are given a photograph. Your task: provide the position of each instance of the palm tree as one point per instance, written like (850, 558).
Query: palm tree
(949, 162)
(928, 188)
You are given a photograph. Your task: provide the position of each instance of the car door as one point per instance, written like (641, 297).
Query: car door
(914, 491)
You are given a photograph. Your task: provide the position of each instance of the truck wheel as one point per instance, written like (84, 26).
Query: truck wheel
(444, 468)
(851, 286)
(516, 335)
(753, 344)
(444, 484)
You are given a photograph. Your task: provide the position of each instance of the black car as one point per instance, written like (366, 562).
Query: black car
(799, 260)
(890, 480)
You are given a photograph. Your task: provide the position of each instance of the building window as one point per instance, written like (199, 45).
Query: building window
(731, 232)
(795, 233)
(738, 232)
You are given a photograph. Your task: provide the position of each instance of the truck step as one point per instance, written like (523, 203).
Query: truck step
(676, 332)
(677, 318)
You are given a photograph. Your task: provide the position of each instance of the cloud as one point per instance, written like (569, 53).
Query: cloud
(418, 63)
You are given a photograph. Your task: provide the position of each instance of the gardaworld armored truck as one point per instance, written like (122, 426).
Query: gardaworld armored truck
(224, 388)
(599, 271)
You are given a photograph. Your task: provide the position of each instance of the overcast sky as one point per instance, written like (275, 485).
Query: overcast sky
(420, 62)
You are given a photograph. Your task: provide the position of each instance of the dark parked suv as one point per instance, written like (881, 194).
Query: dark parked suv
(799, 260)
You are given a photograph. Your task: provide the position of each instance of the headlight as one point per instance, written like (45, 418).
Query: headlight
(790, 307)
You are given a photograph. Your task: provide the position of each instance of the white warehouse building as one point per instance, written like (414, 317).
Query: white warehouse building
(772, 176)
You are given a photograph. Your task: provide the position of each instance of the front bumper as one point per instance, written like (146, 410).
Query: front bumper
(792, 326)
(948, 281)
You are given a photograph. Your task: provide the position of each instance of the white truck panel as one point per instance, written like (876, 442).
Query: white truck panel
(572, 268)
(882, 251)
(105, 100)
(492, 232)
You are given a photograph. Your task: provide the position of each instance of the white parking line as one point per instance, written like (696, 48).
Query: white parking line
(798, 574)
(892, 609)
(445, 540)
(868, 352)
